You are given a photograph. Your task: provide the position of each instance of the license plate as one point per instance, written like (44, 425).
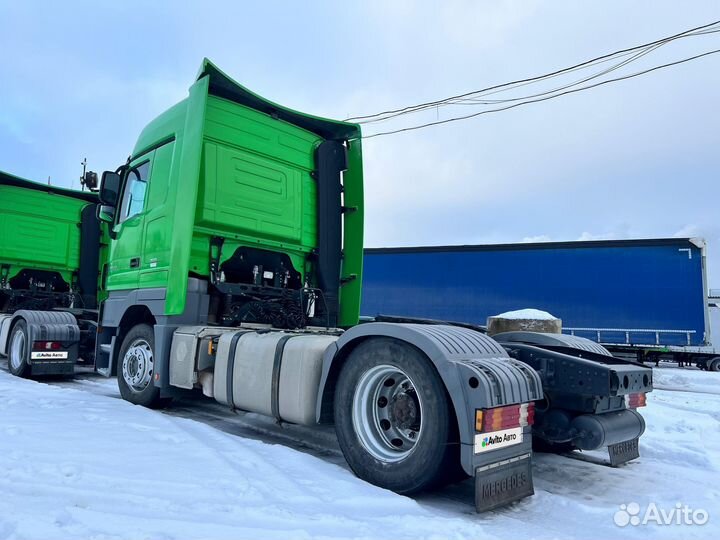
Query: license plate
(484, 442)
(623, 452)
(49, 355)
(503, 484)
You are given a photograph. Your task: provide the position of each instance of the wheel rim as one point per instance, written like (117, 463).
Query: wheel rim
(17, 350)
(387, 413)
(137, 365)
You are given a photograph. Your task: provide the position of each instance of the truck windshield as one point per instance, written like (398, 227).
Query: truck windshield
(135, 189)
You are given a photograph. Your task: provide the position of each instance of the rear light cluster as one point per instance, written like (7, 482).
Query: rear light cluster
(636, 400)
(505, 417)
(46, 345)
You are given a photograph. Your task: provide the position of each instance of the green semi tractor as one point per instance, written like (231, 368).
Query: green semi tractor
(234, 267)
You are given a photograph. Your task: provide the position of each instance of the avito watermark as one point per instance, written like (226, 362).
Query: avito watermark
(680, 514)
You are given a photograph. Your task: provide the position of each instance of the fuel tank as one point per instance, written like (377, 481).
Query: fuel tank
(271, 373)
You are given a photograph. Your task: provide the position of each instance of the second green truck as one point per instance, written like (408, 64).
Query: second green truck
(233, 266)
(49, 246)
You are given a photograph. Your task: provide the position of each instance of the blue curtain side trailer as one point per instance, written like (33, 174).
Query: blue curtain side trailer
(647, 299)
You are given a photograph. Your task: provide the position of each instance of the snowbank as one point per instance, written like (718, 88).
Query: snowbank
(667, 377)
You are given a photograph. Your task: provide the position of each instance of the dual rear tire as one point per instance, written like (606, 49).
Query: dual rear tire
(393, 419)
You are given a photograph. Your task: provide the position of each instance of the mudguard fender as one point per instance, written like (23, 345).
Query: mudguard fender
(41, 326)
(475, 369)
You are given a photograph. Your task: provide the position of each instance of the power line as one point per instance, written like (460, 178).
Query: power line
(475, 101)
(546, 98)
(461, 98)
(617, 66)
(604, 58)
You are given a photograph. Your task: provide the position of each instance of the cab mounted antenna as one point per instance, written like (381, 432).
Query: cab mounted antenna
(88, 179)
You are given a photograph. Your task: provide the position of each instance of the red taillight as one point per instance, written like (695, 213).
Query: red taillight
(505, 417)
(46, 345)
(636, 400)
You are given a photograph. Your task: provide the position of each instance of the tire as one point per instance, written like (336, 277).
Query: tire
(18, 350)
(545, 447)
(136, 368)
(387, 391)
(714, 364)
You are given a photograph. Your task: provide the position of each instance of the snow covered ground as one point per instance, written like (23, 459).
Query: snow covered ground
(78, 462)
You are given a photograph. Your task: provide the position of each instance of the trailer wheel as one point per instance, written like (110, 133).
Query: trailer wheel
(392, 418)
(714, 364)
(136, 368)
(18, 350)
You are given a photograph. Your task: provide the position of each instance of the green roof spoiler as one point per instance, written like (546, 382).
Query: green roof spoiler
(222, 85)
(7, 179)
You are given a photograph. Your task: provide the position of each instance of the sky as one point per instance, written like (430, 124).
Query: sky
(637, 159)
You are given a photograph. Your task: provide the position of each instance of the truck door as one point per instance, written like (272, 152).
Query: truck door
(125, 258)
(157, 237)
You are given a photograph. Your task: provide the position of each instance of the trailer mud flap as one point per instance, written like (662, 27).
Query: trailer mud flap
(504, 482)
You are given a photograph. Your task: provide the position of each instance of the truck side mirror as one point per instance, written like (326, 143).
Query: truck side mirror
(105, 213)
(110, 188)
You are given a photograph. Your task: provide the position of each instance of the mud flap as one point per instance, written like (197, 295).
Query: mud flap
(623, 452)
(501, 483)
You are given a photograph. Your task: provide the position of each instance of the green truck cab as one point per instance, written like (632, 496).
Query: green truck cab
(225, 181)
(234, 267)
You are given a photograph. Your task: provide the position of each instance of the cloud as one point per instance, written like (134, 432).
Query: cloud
(536, 239)
(599, 236)
(15, 130)
(474, 26)
(687, 231)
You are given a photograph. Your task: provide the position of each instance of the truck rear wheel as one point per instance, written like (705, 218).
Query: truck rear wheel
(714, 364)
(137, 367)
(18, 350)
(392, 418)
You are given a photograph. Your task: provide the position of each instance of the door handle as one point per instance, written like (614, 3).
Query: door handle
(135, 262)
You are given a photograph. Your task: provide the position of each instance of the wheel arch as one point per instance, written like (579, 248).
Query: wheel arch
(40, 325)
(133, 315)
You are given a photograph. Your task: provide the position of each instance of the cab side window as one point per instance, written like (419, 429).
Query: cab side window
(136, 187)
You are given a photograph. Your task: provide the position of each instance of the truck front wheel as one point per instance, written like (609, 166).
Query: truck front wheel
(18, 350)
(137, 367)
(392, 418)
